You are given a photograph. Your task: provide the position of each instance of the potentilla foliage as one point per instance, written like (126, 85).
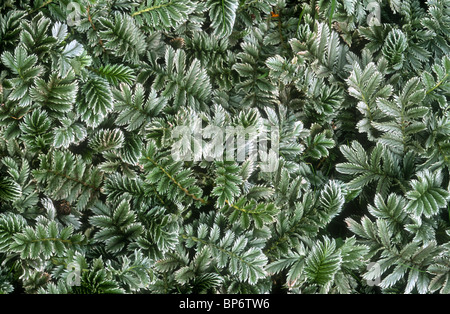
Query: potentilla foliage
(229, 146)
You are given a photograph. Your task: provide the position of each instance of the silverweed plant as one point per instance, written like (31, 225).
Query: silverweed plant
(224, 146)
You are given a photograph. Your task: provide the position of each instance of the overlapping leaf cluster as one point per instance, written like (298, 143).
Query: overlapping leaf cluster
(99, 193)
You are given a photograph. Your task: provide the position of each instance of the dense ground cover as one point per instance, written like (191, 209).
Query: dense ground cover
(224, 146)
